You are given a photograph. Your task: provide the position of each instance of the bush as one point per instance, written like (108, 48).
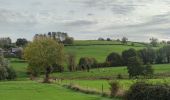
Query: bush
(11, 73)
(3, 73)
(114, 88)
(148, 70)
(127, 54)
(114, 59)
(57, 68)
(6, 72)
(145, 91)
(119, 76)
(135, 67)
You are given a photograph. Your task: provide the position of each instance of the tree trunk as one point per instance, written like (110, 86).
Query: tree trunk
(46, 79)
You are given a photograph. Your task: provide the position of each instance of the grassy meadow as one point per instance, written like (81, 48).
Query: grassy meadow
(29, 90)
(24, 89)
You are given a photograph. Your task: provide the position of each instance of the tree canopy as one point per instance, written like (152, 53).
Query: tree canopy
(44, 52)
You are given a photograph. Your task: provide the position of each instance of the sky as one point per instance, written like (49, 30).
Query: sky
(138, 20)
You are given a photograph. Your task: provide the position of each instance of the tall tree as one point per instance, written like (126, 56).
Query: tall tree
(127, 54)
(124, 40)
(44, 52)
(21, 42)
(154, 41)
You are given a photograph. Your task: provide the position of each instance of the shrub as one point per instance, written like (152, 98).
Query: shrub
(145, 91)
(148, 70)
(114, 59)
(114, 88)
(119, 76)
(11, 73)
(3, 73)
(135, 67)
(127, 54)
(57, 68)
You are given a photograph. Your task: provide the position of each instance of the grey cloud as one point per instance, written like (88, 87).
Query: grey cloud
(81, 23)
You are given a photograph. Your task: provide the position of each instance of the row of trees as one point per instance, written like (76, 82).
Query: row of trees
(61, 37)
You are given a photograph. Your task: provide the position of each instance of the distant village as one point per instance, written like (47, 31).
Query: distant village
(9, 49)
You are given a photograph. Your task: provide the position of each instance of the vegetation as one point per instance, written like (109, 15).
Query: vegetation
(6, 72)
(146, 91)
(37, 54)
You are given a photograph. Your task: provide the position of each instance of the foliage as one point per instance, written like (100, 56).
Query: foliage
(148, 55)
(21, 42)
(68, 40)
(114, 59)
(154, 41)
(71, 62)
(114, 87)
(85, 63)
(5, 42)
(146, 91)
(44, 52)
(148, 70)
(6, 72)
(127, 54)
(135, 66)
(124, 40)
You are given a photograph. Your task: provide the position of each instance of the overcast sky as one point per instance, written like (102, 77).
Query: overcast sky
(86, 19)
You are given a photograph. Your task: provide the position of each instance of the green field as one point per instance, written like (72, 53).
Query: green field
(111, 72)
(124, 83)
(23, 89)
(29, 90)
(98, 51)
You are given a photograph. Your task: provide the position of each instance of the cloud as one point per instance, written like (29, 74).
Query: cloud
(81, 23)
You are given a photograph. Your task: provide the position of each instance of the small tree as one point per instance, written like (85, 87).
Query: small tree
(148, 70)
(148, 55)
(114, 59)
(85, 63)
(21, 42)
(154, 41)
(44, 52)
(124, 40)
(6, 72)
(135, 66)
(71, 60)
(127, 54)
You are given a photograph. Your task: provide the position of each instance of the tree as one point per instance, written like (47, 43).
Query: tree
(108, 39)
(154, 41)
(124, 40)
(127, 54)
(21, 42)
(148, 55)
(166, 49)
(5, 42)
(101, 39)
(114, 59)
(68, 40)
(6, 72)
(135, 66)
(85, 63)
(71, 60)
(44, 52)
(160, 56)
(148, 70)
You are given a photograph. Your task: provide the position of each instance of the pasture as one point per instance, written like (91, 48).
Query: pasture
(29, 90)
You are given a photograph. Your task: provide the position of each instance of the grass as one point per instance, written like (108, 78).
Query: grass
(99, 52)
(99, 49)
(111, 72)
(20, 67)
(28, 90)
(124, 83)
